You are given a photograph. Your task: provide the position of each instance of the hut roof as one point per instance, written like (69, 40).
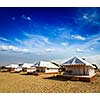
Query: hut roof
(77, 61)
(46, 64)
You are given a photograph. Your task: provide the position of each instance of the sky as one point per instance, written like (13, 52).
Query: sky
(51, 34)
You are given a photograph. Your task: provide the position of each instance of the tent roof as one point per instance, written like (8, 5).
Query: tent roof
(77, 61)
(46, 64)
(27, 65)
(12, 66)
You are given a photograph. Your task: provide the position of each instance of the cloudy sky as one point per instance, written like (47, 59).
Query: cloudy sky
(33, 34)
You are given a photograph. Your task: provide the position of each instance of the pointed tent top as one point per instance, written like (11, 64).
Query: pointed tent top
(27, 65)
(77, 61)
(46, 64)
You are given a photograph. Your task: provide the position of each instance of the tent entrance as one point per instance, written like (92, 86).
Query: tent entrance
(41, 69)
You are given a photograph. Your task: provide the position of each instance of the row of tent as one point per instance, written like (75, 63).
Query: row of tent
(41, 66)
(73, 66)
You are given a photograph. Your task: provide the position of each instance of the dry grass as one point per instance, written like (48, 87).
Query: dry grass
(16, 83)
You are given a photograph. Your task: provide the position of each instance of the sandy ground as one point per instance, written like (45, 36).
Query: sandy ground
(16, 83)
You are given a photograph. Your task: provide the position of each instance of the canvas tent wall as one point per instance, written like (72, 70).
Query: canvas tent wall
(78, 66)
(3, 69)
(8, 68)
(46, 67)
(31, 70)
(13, 67)
(28, 67)
(18, 69)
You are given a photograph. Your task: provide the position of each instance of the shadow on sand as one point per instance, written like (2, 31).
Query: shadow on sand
(58, 78)
(62, 78)
(27, 74)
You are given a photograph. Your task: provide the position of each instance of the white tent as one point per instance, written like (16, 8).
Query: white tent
(77, 61)
(28, 67)
(8, 66)
(14, 67)
(46, 67)
(78, 66)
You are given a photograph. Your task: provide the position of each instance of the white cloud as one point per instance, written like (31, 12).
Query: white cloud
(45, 39)
(89, 16)
(79, 50)
(91, 48)
(95, 59)
(85, 17)
(25, 50)
(92, 41)
(50, 50)
(59, 61)
(88, 47)
(65, 35)
(4, 39)
(26, 18)
(36, 43)
(64, 44)
(18, 40)
(12, 48)
(38, 38)
(4, 48)
(78, 37)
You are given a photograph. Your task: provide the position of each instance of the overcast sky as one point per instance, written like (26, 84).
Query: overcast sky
(33, 34)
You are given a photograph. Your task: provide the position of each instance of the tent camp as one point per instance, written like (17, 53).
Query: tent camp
(28, 67)
(78, 66)
(3, 69)
(14, 68)
(19, 68)
(8, 67)
(46, 67)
